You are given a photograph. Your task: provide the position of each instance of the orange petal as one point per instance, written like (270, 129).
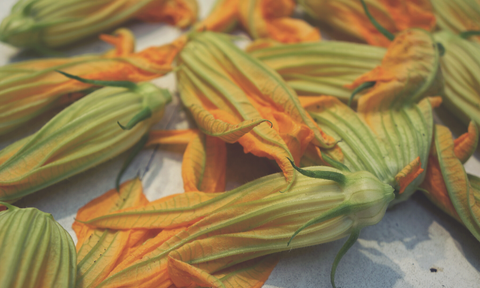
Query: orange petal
(309, 100)
(289, 30)
(435, 101)
(402, 78)
(181, 13)
(456, 180)
(204, 164)
(130, 194)
(271, 19)
(408, 174)
(99, 250)
(123, 40)
(435, 186)
(170, 137)
(466, 144)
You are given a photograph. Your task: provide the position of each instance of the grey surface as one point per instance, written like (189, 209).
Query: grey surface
(412, 238)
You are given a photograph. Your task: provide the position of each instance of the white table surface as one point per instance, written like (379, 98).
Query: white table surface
(400, 251)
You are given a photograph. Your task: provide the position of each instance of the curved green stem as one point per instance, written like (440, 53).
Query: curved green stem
(377, 25)
(350, 241)
(8, 205)
(328, 175)
(334, 163)
(123, 84)
(467, 34)
(136, 149)
(359, 89)
(142, 115)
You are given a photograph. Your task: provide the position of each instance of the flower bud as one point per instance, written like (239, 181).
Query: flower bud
(321, 68)
(35, 250)
(30, 88)
(50, 23)
(461, 67)
(349, 17)
(458, 16)
(94, 129)
(323, 204)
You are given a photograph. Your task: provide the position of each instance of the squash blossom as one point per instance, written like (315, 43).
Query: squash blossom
(348, 17)
(270, 19)
(44, 24)
(458, 16)
(397, 157)
(231, 95)
(35, 250)
(320, 68)
(447, 184)
(391, 132)
(30, 88)
(225, 231)
(461, 67)
(81, 136)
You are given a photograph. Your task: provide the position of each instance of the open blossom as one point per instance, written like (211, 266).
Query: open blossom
(234, 102)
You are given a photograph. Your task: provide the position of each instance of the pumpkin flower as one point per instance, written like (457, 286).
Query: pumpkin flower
(397, 157)
(458, 16)
(220, 234)
(461, 68)
(348, 16)
(232, 95)
(447, 184)
(44, 24)
(30, 88)
(390, 112)
(261, 18)
(320, 68)
(35, 250)
(92, 130)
